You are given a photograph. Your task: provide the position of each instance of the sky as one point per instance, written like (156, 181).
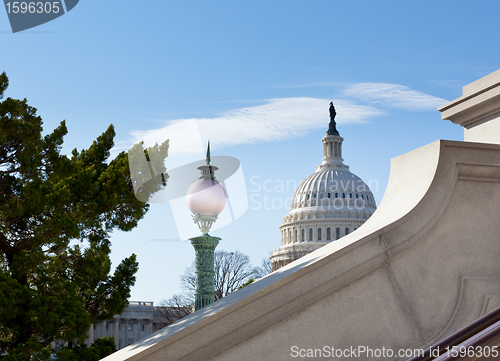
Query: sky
(255, 78)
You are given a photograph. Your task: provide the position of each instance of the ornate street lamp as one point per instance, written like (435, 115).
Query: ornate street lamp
(205, 198)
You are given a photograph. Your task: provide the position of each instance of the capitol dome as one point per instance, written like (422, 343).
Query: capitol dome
(327, 205)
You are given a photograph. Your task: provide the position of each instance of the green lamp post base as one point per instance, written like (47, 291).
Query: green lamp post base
(204, 247)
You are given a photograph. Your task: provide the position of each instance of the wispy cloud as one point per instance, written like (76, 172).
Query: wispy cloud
(449, 83)
(306, 85)
(276, 120)
(393, 96)
(283, 118)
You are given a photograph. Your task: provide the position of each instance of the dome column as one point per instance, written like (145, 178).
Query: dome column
(332, 150)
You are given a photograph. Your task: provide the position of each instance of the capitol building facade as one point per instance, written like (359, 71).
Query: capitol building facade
(328, 204)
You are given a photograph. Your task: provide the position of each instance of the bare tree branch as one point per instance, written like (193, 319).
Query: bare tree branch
(264, 269)
(232, 269)
(173, 309)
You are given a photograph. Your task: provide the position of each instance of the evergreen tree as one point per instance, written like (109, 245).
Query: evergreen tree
(101, 348)
(56, 214)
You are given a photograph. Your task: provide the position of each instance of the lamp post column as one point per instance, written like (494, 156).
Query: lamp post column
(204, 247)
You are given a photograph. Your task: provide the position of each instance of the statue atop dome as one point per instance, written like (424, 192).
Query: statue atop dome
(332, 129)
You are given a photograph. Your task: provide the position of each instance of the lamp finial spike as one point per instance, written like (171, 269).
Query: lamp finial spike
(208, 153)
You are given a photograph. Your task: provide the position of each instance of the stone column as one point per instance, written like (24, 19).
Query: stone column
(116, 333)
(204, 247)
(101, 329)
(135, 331)
(90, 340)
(125, 343)
(138, 332)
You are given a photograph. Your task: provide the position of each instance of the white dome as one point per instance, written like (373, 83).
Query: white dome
(333, 188)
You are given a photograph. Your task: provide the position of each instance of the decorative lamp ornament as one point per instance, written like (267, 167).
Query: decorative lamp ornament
(206, 197)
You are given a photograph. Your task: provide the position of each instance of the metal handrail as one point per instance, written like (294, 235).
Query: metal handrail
(460, 336)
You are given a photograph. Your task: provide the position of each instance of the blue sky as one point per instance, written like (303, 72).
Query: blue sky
(256, 77)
